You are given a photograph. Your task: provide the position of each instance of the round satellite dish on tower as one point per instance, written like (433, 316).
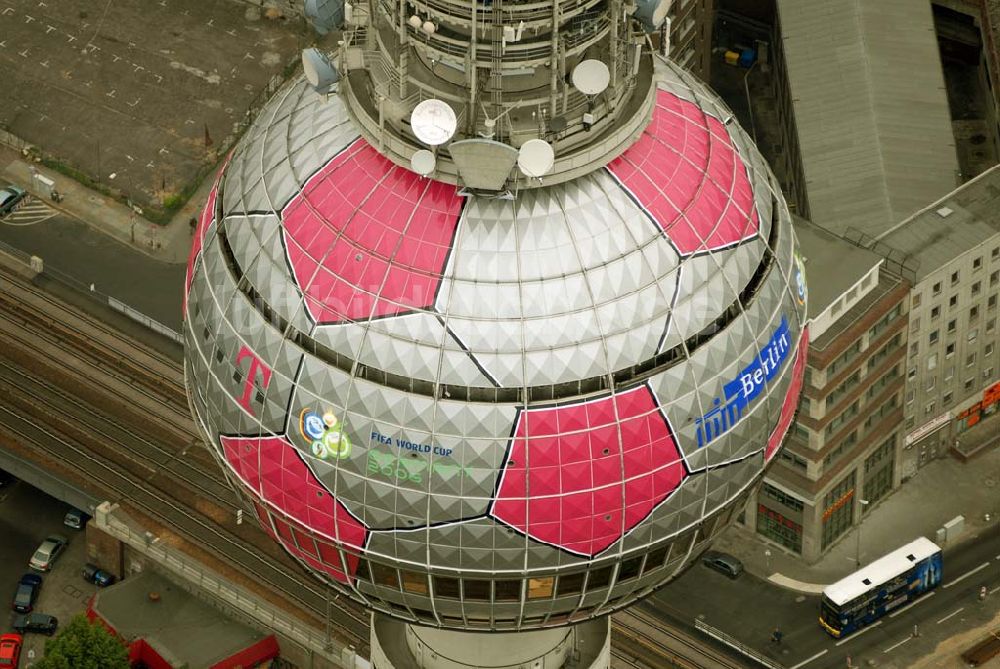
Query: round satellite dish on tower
(591, 77)
(652, 13)
(319, 71)
(433, 122)
(324, 15)
(536, 158)
(423, 162)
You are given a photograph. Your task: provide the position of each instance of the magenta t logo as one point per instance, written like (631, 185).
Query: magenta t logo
(255, 365)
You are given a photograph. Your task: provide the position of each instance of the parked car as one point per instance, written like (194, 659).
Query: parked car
(27, 593)
(723, 563)
(35, 622)
(76, 519)
(6, 479)
(9, 198)
(46, 555)
(10, 650)
(94, 574)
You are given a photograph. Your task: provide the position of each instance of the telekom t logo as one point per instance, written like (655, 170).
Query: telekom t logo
(255, 365)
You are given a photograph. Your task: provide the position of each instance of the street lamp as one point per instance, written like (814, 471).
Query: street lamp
(857, 550)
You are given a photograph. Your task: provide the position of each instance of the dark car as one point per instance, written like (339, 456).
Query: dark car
(27, 593)
(94, 574)
(42, 623)
(6, 479)
(723, 563)
(9, 198)
(76, 519)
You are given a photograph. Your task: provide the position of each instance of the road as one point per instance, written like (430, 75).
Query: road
(750, 608)
(69, 246)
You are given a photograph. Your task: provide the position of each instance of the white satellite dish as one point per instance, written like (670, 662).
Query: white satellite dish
(591, 77)
(423, 162)
(536, 158)
(433, 122)
(320, 72)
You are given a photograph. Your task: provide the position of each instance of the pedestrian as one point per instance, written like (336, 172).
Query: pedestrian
(776, 636)
(982, 593)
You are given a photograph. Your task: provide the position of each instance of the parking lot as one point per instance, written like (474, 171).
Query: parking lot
(27, 516)
(138, 95)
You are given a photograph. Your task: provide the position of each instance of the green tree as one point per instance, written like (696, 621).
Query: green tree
(82, 645)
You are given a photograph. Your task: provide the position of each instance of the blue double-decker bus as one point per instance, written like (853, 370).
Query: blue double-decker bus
(884, 585)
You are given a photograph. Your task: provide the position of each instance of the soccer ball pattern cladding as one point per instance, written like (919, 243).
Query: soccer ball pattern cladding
(495, 413)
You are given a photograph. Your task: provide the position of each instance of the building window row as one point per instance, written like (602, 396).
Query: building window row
(780, 496)
(779, 529)
(838, 510)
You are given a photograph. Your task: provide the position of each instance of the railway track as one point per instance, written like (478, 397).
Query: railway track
(52, 405)
(153, 376)
(644, 642)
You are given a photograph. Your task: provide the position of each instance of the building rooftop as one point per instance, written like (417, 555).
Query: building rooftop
(870, 109)
(833, 265)
(953, 225)
(183, 630)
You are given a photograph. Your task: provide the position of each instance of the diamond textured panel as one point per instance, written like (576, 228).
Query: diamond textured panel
(272, 468)
(206, 218)
(791, 401)
(581, 475)
(686, 173)
(367, 238)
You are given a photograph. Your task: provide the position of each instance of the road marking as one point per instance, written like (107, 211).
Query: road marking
(29, 213)
(857, 634)
(814, 657)
(951, 615)
(997, 557)
(995, 589)
(913, 603)
(895, 646)
(966, 575)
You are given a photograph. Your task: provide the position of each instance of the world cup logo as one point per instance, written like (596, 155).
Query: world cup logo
(800, 280)
(326, 435)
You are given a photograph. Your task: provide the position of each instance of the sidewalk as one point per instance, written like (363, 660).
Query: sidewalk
(940, 491)
(170, 243)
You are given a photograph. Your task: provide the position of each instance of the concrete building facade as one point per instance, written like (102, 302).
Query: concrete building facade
(691, 35)
(843, 451)
(952, 360)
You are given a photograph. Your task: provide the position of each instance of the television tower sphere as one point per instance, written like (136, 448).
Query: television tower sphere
(485, 399)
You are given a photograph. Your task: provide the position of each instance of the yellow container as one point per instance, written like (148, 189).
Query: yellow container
(732, 57)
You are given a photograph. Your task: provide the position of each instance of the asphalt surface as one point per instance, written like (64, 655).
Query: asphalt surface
(27, 516)
(70, 247)
(139, 95)
(750, 608)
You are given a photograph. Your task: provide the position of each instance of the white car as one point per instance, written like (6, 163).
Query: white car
(46, 555)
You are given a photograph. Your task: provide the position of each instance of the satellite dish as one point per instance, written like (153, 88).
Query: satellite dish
(423, 162)
(415, 21)
(652, 13)
(320, 72)
(433, 122)
(591, 77)
(324, 15)
(536, 158)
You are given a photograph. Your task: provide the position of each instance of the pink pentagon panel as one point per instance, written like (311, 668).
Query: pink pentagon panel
(207, 214)
(687, 175)
(791, 400)
(275, 472)
(579, 476)
(367, 238)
